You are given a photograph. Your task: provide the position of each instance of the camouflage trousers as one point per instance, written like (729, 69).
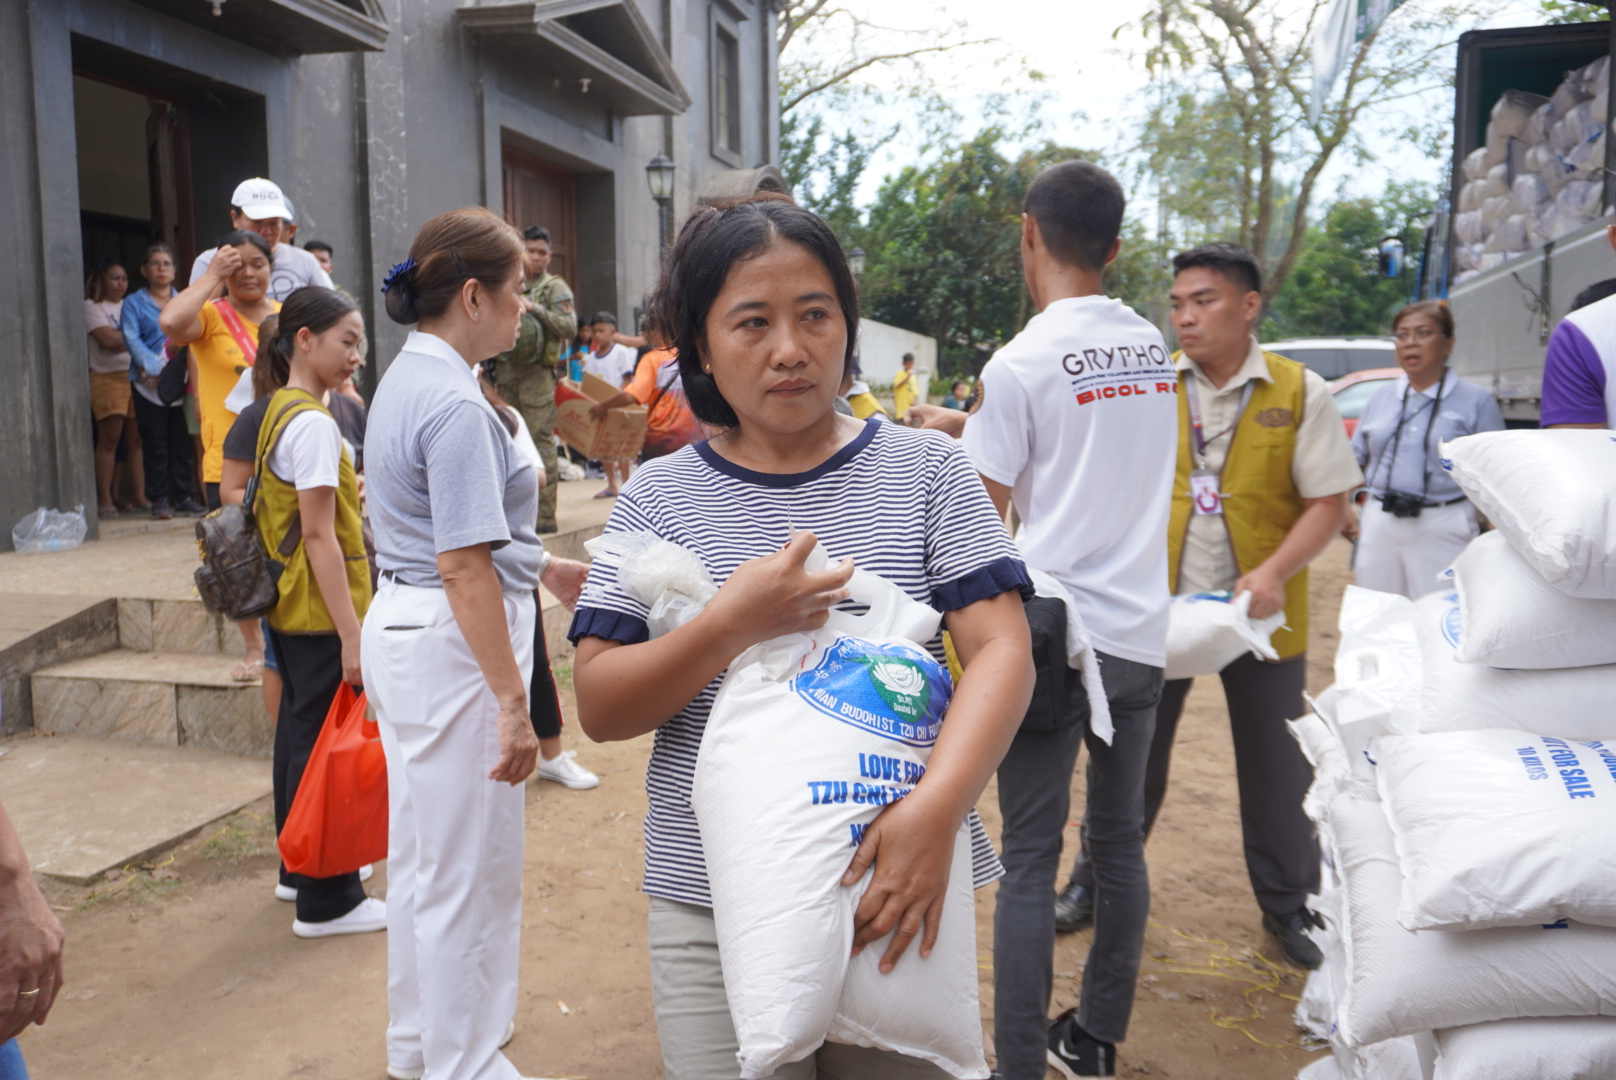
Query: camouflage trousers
(530, 390)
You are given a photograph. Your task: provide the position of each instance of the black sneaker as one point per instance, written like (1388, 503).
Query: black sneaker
(190, 508)
(1291, 930)
(1075, 1053)
(1074, 909)
(160, 510)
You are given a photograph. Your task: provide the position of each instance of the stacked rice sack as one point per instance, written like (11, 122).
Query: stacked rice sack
(1465, 791)
(1538, 175)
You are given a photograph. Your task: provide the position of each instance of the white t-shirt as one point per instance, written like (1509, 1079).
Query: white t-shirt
(525, 444)
(1079, 418)
(293, 269)
(618, 363)
(309, 452)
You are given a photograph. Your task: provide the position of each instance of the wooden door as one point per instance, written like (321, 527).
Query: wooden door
(537, 193)
(168, 162)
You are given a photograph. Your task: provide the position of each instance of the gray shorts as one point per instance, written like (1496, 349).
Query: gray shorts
(693, 1021)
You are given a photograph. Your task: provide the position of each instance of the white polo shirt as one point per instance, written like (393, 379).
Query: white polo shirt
(1078, 416)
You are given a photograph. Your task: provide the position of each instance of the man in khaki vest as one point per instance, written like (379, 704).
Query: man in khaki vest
(1264, 472)
(526, 376)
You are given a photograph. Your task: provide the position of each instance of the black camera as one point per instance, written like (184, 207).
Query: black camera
(1398, 504)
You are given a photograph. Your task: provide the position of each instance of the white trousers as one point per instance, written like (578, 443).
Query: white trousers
(1407, 555)
(454, 856)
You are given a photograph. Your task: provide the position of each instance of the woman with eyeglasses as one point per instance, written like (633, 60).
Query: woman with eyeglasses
(1416, 521)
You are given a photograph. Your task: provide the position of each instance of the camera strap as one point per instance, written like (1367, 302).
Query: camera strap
(1403, 417)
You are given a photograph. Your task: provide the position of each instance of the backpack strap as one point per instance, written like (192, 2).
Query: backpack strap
(294, 532)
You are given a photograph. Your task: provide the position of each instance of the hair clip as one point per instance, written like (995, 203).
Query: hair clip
(398, 273)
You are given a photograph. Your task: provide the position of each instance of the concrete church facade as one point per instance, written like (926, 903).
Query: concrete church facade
(131, 121)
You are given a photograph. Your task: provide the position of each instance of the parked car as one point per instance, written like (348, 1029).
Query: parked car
(1333, 357)
(1352, 392)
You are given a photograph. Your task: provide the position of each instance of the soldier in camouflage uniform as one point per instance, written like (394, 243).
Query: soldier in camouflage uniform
(526, 376)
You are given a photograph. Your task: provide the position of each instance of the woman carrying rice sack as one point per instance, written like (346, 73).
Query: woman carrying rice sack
(1416, 520)
(759, 303)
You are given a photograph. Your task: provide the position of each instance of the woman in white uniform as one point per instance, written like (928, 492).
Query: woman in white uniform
(448, 651)
(1416, 520)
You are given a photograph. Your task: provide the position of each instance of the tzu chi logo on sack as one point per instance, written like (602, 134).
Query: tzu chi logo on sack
(892, 690)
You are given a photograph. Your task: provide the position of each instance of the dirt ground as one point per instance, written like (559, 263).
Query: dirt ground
(188, 968)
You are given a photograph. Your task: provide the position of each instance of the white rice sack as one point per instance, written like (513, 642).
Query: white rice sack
(1537, 128)
(1403, 982)
(1585, 162)
(1467, 257)
(1206, 632)
(1539, 159)
(1571, 703)
(1500, 828)
(1470, 196)
(1378, 670)
(1497, 181)
(1490, 260)
(1509, 617)
(1324, 1068)
(1494, 209)
(1509, 235)
(1553, 496)
(1558, 225)
(810, 737)
(1467, 226)
(1513, 111)
(1529, 193)
(1564, 1048)
(1571, 92)
(1476, 164)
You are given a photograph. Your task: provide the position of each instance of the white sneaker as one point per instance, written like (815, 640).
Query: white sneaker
(289, 894)
(417, 1073)
(564, 770)
(370, 915)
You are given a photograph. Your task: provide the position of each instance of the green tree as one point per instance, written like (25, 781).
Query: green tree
(1239, 148)
(1571, 11)
(1336, 287)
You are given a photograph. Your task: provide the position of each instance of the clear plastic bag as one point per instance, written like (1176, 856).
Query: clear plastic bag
(666, 578)
(50, 530)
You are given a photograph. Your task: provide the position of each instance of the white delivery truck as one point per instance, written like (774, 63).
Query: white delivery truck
(1521, 231)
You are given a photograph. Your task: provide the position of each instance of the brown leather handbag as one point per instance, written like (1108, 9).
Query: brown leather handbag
(236, 578)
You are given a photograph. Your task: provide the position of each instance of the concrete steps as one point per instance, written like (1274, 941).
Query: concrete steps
(167, 698)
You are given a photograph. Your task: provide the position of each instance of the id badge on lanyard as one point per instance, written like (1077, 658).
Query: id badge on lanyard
(1204, 494)
(1205, 498)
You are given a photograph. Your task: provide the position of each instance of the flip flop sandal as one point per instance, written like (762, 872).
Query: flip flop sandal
(248, 671)
(106, 512)
(605, 494)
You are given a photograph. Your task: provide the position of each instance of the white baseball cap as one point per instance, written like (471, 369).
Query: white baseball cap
(259, 199)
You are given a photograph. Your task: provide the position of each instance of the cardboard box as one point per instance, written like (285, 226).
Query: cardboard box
(618, 434)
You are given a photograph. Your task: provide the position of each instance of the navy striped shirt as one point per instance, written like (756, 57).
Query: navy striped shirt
(905, 504)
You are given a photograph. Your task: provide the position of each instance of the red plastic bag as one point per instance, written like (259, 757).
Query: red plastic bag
(338, 820)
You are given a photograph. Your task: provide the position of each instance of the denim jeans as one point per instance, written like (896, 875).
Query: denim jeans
(1034, 797)
(11, 1065)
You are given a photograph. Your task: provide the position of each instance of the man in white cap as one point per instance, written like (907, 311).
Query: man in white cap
(259, 206)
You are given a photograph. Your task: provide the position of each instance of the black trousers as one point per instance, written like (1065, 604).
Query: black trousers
(543, 699)
(170, 452)
(1282, 849)
(311, 671)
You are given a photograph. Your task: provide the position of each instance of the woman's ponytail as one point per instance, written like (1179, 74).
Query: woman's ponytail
(272, 365)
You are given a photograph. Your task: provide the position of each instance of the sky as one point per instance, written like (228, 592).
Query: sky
(1095, 85)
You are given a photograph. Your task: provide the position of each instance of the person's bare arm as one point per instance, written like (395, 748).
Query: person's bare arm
(1582, 427)
(318, 510)
(1321, 519)
(911, 842)
(474, 595)
(31, 940)
(181, 319)
(565, 579)
(108, 337)
(616, 401)
(937, 418)
(999, 494)
(625, 691)
(233, 481)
